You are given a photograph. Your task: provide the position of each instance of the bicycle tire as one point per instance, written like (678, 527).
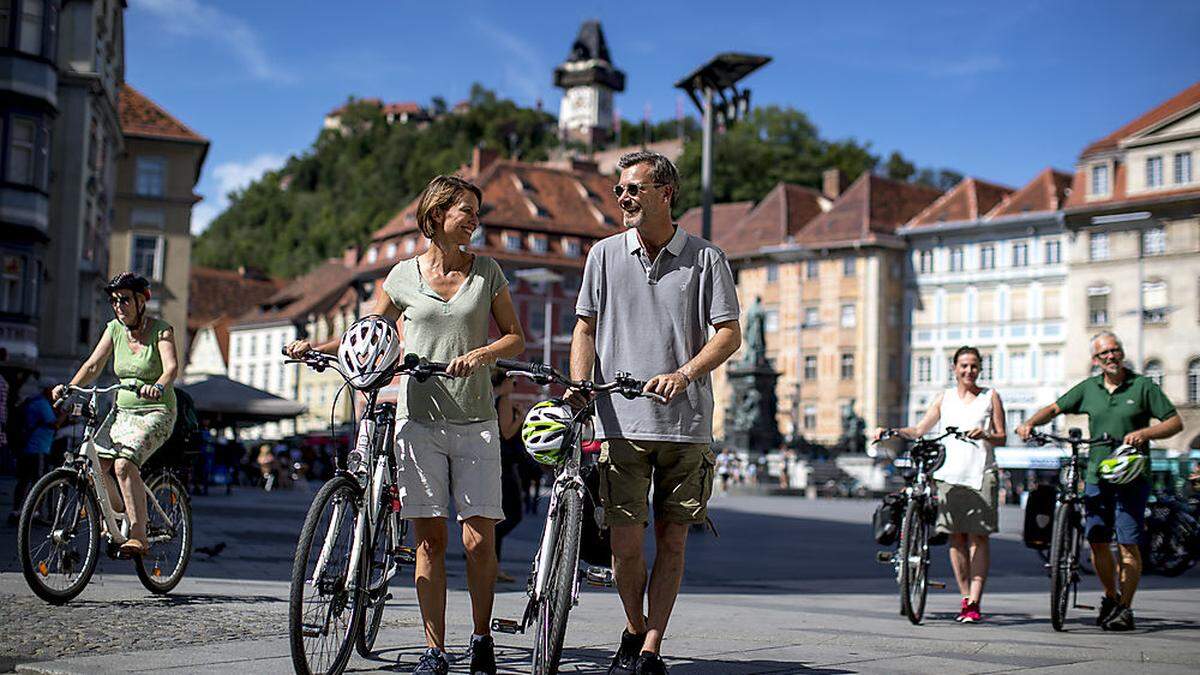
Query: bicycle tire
(914, 562)
(372, 615)
(1064, 551)
(90, 510)
(179, 506)
(555, 605)
(345, 491)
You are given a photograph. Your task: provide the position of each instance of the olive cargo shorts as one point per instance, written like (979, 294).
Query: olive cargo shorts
(682, 475)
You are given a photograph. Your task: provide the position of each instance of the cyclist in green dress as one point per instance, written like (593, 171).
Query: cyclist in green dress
(143, 351)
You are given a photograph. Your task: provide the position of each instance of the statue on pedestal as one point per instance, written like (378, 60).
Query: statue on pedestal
(854, 438)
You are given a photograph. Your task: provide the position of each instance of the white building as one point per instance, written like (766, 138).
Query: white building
(989, 270)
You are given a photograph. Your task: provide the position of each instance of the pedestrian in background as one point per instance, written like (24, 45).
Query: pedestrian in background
(968, 485)
(512, 455)
(39, 424)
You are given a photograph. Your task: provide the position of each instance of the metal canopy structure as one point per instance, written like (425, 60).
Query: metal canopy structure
(718, 78)
(223, 402)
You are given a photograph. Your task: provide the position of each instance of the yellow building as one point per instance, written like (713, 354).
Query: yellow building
(156, 178)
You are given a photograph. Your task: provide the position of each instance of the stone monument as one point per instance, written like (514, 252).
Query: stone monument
(750, 413)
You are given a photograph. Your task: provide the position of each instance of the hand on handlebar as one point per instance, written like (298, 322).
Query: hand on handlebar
(58, 393)
(883, 433)
(297, 348)
(1137, 439)
(577, 398)
(1025, 430)
(470, 362)
(667, 385)
(977, 433)
(149, 392)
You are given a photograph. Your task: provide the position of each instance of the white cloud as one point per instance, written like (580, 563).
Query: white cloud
(231, 177)
(190, 19)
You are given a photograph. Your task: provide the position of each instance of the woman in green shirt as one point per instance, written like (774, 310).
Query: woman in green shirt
(447, 440)
(143, 351)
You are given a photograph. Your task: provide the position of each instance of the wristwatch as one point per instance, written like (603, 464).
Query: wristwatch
(161, 389)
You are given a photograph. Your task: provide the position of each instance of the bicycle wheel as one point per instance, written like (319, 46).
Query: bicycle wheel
(1064, 554)
(169, 531)
(58, 537)
(556, 602)
(323, 609)
(914, 562)
(380, 561)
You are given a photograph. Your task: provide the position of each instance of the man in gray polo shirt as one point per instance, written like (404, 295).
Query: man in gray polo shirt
(661, 305)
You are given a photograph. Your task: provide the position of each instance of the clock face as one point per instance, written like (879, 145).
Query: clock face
(579, 107)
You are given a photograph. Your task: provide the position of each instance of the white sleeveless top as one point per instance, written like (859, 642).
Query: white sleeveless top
(966, 462)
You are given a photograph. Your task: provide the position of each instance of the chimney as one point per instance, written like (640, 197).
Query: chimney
(350, 256)
(833, 181)
(481, 159)
(584, 165)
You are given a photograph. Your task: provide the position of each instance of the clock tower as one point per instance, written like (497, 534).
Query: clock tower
(588, 80)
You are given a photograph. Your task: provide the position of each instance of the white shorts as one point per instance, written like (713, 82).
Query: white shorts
(438, 459)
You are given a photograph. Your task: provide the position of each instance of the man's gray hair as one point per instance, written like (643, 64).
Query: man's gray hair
(1105, 334)
(662, 170)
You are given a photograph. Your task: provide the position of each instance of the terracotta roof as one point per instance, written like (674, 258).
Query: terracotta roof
(214, 293)
(312, 293)
(968, 200)
(142, 117)
(410, 107)
(1176, 104)
(1046, 192)
(725, 218)
(872, 205)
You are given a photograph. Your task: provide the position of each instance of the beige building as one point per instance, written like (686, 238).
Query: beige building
(156, 178)
(1134, 254)
(830, 271)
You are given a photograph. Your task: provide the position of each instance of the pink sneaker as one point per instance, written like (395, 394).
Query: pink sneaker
(971, 613)
(962, 610)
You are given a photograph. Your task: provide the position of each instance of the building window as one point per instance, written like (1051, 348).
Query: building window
(12, 285)
(539, 244)
(848, 265)
(956, 259)
(985, 367)
(410, 244)
(372, 255)
(1098, 246)
(1154, 241)
(925, 261)
(512, 241)
(771, 321)
(571, 248)
(1154, 301)
(21, 151)
(1020, 255)
(1053, 252)
(147, 255)
(1098, 305)
(812, 268)
(812, 317)
(810, 417)
(1051, 366)
(1016, 366)
(810, 367)
(151, 176)
(1154, 371)
(848, 316)
(1100, 179)
(391, 250)
(1193, 381)
(1154, 172)
(31, 26)
(924, 369)
(772, 273)
(1183, 167)
(847, 366)
(987, 257)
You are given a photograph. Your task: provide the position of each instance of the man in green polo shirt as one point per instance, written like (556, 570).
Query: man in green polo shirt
(1121, 403)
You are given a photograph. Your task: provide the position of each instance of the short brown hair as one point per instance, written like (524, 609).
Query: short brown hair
(965, 349)
(440, 195)
(662, 170)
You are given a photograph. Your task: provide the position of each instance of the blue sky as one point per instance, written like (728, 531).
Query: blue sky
(995, 90)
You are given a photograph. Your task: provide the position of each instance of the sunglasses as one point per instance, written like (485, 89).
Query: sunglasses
(1108, 352)
(120, 300)
(634, 189)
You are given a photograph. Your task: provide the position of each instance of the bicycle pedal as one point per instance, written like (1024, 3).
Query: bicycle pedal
(599, 576)
(507, 626)
(1090, 608)
(309, 630)
(884, 557)
(406, 555)
(937, 584)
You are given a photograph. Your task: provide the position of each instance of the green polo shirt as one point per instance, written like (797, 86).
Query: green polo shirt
(1128, 408)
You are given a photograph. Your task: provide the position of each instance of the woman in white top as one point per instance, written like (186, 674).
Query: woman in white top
(967, 483)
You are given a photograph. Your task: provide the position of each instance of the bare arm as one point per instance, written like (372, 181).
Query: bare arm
(510, 344)
(1164, 429)
(170, 364)
(1037, 419)
(999, 435)
(383, 306)
(930, 420)
(91, 368)
(509, 420)
(724, 342)
(583, 356)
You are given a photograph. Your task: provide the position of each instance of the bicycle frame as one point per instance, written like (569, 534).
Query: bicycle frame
(567, 478)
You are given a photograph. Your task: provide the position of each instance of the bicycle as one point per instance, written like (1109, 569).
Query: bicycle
(352, 541)
(553, 586)
(59, 517)
(911, 558)
(1066, 539)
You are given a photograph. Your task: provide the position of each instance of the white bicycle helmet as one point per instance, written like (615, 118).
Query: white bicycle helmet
(1124, 465)
(544, 430)
(369, 350)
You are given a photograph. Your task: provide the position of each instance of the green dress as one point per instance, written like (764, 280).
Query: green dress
(138, 427)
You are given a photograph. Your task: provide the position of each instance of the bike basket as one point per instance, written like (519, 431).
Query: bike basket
(885, 522)
(1039, 517)
(595, 547)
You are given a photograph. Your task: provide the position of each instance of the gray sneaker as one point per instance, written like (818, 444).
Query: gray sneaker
(433, 662)
(1121, 620)
(1107, 607)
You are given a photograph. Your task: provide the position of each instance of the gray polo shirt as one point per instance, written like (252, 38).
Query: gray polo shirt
(651, 318)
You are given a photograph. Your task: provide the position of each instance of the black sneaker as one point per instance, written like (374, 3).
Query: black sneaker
(483, 656)
(1120, 621)
(625, 660)
(433, 662)
(1107, 607)
(649, 663)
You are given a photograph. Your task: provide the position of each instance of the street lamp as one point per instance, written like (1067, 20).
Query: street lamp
(543, 277)
(719, 78)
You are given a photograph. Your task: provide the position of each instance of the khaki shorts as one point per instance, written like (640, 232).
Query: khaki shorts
(437, 461)
(682, 475)
(962, 509)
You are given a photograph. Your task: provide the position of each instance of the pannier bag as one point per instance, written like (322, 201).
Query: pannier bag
(885, 523)
(595, 546)
(1039, 516)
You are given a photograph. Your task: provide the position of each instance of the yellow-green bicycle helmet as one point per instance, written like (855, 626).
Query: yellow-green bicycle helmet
(544, 430)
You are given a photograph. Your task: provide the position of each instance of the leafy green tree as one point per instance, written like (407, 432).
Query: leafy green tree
(899, 168)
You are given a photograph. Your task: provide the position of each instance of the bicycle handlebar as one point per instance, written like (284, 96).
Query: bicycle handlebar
(950, 431)
(1042, 438)
(541, 373)
(410, 364)
(73, 389)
